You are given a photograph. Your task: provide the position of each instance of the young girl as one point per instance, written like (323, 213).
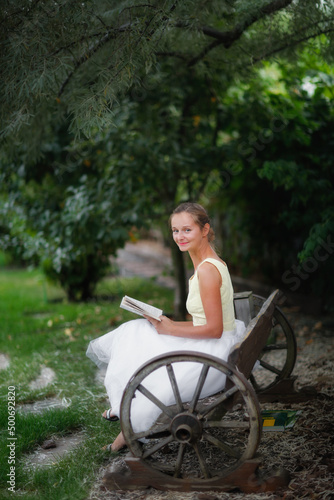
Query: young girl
(213, 329)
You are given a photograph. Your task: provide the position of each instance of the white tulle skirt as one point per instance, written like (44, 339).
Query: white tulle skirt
(124, 350)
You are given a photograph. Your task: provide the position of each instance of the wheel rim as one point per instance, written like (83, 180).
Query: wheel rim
(190, 439)
(277, 359)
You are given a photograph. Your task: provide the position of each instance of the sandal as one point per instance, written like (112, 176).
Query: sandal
(110, 417)
(108, 447)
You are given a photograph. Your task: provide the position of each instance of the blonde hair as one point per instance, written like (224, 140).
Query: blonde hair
(198, 213)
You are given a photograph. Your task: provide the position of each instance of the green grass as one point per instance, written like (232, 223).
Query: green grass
(39, 327)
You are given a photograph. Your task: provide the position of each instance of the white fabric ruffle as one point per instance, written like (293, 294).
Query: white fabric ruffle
(134, 343)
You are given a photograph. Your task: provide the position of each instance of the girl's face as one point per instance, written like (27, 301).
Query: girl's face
(186, 233)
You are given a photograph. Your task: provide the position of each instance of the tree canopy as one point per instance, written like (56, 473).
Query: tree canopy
(78, 58)
(112, 112)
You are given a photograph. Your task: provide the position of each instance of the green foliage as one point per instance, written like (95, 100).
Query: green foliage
(67, 213)
(258, 153)
(80, 58)
(304, 169)
(198, 109)
(75, 207)
(279, 154)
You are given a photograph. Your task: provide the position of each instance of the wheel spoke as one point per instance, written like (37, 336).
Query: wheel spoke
(152, 432)
(175, 387)
(219, 400)
(155, 400)
(284, 340)
(158, 446)
(232, 452)
(253, 382)
(199, 388)
(275, 347)
(224, 424)
(201, 460)
(179, 459)
(269, 367)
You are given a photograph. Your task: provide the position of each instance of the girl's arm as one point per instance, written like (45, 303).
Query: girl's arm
(209, 285)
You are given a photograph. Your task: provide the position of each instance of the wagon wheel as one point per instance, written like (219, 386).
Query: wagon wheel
(278, 357)
(203, 439)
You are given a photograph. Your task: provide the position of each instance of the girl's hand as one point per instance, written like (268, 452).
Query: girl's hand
(163, 327)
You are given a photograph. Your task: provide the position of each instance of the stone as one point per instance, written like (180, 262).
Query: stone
(45, 378)
(50, 455)
(4, 361)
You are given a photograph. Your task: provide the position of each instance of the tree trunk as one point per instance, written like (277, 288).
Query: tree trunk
(181, 291)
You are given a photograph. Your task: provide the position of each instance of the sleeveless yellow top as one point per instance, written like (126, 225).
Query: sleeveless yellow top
(194, 303)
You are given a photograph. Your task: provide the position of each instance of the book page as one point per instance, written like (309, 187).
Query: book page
(141, 308)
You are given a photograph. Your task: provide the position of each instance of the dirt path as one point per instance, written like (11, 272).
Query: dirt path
(148, 259)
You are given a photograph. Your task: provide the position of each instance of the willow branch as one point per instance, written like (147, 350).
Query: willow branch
(227, 38)
(21, 12)
(110, 35)
(290, 45)
(84, 57)
(172, 54)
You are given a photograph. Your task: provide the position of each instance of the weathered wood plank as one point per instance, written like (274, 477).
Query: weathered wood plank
(243, 306)
(139, 476)
(245, 354)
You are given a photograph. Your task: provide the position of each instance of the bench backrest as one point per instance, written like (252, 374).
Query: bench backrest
(243, 306)
(245, 354)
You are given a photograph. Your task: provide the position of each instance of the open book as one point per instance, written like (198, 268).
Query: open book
(138, 307)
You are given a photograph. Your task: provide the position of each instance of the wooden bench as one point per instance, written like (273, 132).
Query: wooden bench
(277, 358)
(204, 444)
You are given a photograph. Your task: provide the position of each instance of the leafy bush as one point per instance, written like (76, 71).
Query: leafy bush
(66, 213)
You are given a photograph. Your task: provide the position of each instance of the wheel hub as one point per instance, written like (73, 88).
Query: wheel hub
(186, 428)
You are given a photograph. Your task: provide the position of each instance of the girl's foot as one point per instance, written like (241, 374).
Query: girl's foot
(117, 445)
(109, 416)
(119, 442)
